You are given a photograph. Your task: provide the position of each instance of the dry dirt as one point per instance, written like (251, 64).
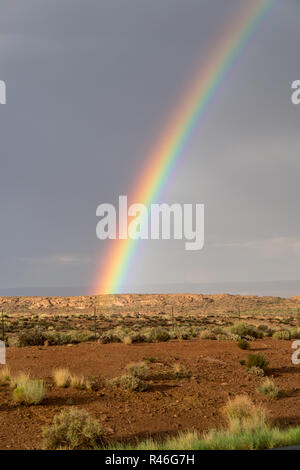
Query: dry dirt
(167, 407)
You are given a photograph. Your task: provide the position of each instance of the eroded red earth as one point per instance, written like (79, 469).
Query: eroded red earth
(167, 407)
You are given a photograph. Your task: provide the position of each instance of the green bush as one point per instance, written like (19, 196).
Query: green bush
(282, 334)
(137, 369)
(127, 336)
(295, 333)
(32, 337)
(269, 389)
(180, 372)
(207, 334)
(266, 330)
(244, 329)
(257, 371)
(73, 430)
(257, 360)
(159, 334)
(233, 337)
(68, 337)
(128, 382)
(109, 337)
(183, 333)
(243, 344)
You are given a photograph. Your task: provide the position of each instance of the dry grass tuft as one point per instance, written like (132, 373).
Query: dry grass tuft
(18, 379)
(243, 415)
(62, 377)
(78, 381)
(28, 391)
(5, 374)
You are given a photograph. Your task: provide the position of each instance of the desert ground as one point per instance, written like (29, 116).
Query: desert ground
(189, 345)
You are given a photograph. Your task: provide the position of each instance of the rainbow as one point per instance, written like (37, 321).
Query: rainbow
(171, 144)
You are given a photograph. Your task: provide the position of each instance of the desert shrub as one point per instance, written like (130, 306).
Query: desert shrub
(68, 337)
(73, 430)
(109, 337)
(133, 337)
(233, 337)
(182, 333)
(5, 374)
(55, 338)
(159, 334)
(62, 377)
(218, 330)
(137, 369)
(223, 337)
(257, 360)
(249, 338)
(207, 334)
(243, 329)
(120, 332)
(195, 331)
(180, 371)
(78, 336)
(269, 389)
(282, 334)
(257, 371)
(242, 362)
(240, 329)
(242, 415)
(12, 340)
(128, 382)
(243, 344)
(156, 334)
(150, 359)
(295, 333)
(146, 334)
(266, 330)
(32, 337)
(29, 391)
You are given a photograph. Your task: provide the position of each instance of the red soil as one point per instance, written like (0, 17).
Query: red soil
(168, 406)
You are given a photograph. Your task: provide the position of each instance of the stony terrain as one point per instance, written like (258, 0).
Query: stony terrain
(150, 303)
(201, 341)
(168, 406)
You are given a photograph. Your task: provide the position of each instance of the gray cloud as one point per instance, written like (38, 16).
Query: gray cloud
(89, 87)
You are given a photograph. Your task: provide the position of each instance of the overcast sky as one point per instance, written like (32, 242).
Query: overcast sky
(89, 86)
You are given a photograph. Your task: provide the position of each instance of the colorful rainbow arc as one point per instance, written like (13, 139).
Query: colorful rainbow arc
(170, 146)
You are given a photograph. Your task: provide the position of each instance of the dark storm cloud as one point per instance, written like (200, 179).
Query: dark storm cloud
(90, 85)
